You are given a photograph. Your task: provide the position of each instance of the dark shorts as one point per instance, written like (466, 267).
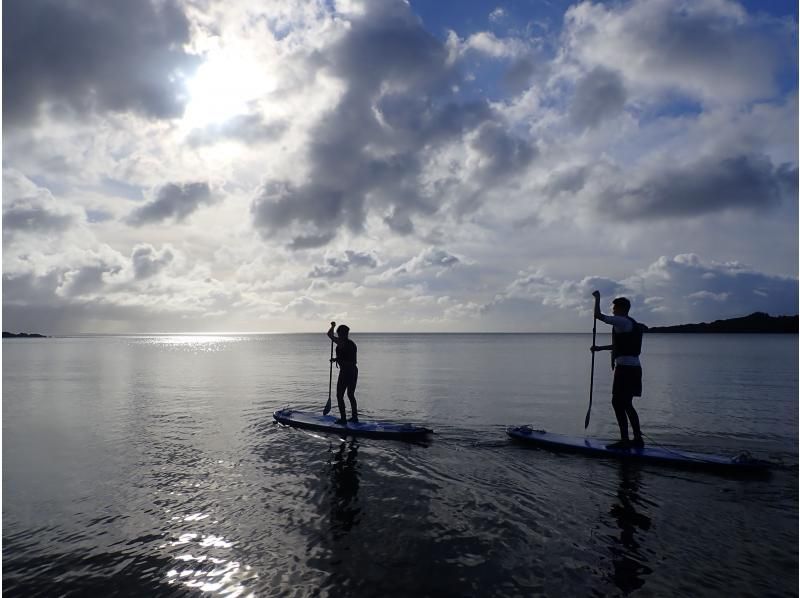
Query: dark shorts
(627, 381)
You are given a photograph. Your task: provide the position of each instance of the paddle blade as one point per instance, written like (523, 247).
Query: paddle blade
(586, 422)
(327, 408)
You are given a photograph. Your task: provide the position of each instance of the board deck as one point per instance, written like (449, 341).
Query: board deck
(648, 454)
(327, 423)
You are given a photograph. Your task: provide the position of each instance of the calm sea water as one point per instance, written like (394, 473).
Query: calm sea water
(150, 466)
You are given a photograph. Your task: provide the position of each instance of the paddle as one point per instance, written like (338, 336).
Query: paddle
(591, 379)
(327, 408)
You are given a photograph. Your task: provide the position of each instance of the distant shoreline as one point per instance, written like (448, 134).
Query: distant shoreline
(755, 323)
(22, 335)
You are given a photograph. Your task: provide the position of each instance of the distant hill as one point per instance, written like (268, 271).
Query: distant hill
(22, 335)
(755, 322)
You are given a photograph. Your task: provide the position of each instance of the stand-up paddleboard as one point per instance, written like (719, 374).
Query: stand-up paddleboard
(327, 423)
(589, 446)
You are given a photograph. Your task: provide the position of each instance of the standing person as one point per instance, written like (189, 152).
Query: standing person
(625, 347)
(348, 371)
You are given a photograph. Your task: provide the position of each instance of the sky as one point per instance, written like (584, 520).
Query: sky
(471, 166)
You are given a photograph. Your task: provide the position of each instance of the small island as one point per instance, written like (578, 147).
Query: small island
(757, 322)
(22, 335)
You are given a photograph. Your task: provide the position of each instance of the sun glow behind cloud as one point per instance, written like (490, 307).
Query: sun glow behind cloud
(225, 86)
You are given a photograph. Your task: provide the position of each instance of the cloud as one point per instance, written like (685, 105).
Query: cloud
(668, 291)
(173, 201)
(86, 279)
(432, 259)
(716, 290)
(501, 153)
(710, 49)
(337, 267)
(489, 44)
(712, 184)
(30, 209)
(371, 153)
(147, 261)
(116, 56)
(249, 129)
(599, 95)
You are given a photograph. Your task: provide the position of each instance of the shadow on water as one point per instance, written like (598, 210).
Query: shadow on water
(628, 560)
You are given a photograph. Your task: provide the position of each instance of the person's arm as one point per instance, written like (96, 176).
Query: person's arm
(331, 335)
(598, 315)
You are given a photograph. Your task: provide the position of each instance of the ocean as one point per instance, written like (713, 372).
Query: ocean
(151, 466)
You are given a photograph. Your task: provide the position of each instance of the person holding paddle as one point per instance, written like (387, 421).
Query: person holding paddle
(625, 347)
(346, 361)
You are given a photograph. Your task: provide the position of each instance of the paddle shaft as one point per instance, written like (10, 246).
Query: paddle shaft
(591, 377)
(330, 376)
(330, 384)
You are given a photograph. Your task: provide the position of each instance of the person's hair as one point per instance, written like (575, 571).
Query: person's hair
(343, 331)
(623, 303)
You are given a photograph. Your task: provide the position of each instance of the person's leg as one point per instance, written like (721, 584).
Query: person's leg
(620, 410)
(341, 384)
(351, 394)
(633, 417)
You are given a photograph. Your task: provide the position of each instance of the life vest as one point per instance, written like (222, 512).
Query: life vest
(627, 343)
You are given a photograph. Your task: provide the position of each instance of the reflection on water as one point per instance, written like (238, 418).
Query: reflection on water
(345, 509)
(195, 343)
(628, 559)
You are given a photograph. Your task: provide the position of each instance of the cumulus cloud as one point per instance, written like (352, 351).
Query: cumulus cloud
(713, 290)
(599, 95)
(668, 291)
(432, 260)
(335, 267)
(709, 49)
(91, 56)
(174, 201)
(147, 261)
(369, 153)
(30, 209)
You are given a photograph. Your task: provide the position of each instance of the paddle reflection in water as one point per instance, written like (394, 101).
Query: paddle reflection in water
(627, 556)
(345, 509)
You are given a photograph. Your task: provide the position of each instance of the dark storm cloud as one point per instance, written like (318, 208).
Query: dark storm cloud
(249, 129)
(744, 182)
(366, 154)
(599, 95)
(174, 200)
(87, 55)
(336, 267)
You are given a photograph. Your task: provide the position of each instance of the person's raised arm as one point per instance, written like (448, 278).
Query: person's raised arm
(330, 333)
(598, 315)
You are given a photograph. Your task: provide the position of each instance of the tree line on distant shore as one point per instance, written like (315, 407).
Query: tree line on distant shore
(22, 335)
(757, 322)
